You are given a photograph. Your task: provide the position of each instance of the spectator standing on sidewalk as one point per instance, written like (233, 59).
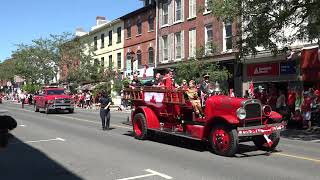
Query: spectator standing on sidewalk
(291, 101)
(22, 98)
(306, 109)
(105, 103)
(88, 100)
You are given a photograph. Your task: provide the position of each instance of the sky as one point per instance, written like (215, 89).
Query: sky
(21, 21)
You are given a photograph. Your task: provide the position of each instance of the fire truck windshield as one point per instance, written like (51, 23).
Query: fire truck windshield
(55, 92)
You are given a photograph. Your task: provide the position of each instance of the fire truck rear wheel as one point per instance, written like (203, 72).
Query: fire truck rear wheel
(139, 125)
(261, 142)
(224, 140)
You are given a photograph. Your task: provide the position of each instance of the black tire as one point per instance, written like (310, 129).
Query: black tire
(71, 111)
(139, 126)
(46, 109)
(36, 108)
(225, 147)
(260, 141)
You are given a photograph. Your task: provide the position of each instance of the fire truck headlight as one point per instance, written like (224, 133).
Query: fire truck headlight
(241, 113)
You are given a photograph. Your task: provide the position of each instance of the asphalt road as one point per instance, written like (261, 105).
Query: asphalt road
(72, 146)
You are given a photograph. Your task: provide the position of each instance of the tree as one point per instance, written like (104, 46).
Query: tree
(7, 70)
(194, 69)
(270, 24)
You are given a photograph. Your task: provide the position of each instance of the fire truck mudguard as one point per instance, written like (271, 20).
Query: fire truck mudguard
(152, 121)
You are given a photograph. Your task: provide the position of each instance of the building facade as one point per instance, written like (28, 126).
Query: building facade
(140, 41)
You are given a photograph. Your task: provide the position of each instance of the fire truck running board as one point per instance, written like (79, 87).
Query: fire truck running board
(180, 134)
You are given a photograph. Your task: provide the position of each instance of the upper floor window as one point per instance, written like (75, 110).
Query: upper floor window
(178, 45)
(208, 4)
(139, 26)
(209, 39)
(227, 36)
(151, 55)
(102, 41)
(95, 43)
(110, 38)
(178, 10)
(165, 13)
(192, 42)
(192, 8)
(128, 29)
(139, 58)
(119, 35)
(102, 63)
(119, 60)
(151, 23)
(165, 48)
(96, 62)
(110, 62)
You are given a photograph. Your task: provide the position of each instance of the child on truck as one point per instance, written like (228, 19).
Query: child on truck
(192, 93)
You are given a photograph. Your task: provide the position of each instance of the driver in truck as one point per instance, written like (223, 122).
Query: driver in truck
(192, 93)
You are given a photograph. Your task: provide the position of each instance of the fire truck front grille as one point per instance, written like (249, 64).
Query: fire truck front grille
(253, 110)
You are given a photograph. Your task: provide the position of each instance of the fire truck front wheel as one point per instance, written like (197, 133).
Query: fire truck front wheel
(224, 140)
(140, 126)
(261, 142)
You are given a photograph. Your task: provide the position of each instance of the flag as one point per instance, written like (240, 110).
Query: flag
(251, 89)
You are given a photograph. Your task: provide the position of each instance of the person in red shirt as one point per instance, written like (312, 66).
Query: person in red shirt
(306, 109)
(297, 119)
(291, 100)
(168, 79)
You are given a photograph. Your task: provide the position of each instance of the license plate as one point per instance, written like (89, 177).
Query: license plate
(62, 107)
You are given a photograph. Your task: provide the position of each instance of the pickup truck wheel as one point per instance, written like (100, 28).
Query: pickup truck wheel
(261, 142)
(71, 110)
(224, 140)
(46, 109)
(36, 108)
(140, 126)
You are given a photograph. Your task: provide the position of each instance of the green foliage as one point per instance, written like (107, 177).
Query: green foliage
(262, 23)
(103, 87)
(7, 70)
(194, 69)
(31, 88)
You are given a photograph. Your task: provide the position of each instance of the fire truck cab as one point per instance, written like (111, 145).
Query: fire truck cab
(226, 122)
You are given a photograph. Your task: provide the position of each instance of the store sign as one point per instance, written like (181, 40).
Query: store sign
(288, 67)
(271, 69)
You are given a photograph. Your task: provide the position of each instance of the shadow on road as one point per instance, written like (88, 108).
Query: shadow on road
(21, 161)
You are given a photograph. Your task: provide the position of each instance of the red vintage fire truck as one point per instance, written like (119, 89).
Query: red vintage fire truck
(227, 120)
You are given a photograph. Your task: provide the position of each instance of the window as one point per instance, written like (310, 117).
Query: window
(192, 42)
(102, 63)
(178, 12)
(110, 62)
(139, 58)
(128, 29)
(208, 3)
(119, 60)
(139, 26)
(165, 13)
(151, 55)
(151, 23)
(209, 39)
(95, 41)
(95, 62)
(128, 64)
(178, 46)
(165, 48)
(119, 35)
(102, 41)
(110, 38)
(192, 8)
(227, 36)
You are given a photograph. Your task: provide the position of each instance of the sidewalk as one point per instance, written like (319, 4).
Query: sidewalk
(312, 135)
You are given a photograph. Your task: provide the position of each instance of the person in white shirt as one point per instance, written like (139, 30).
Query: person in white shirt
(87, 100)
(22, 98)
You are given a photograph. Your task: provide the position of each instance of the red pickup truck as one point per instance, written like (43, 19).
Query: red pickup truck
(53, 99)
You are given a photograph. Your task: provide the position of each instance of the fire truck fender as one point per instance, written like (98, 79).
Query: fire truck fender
(228, 120)
(151, 118)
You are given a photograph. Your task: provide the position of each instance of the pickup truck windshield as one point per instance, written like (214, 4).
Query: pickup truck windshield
(55, 92)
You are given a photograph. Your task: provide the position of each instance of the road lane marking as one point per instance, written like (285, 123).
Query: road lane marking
(22, 125)
(298, 157)
(152, 173)
(44, 140)
(78, 119)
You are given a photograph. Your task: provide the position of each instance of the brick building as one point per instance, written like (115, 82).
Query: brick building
(140, 40)
(183, 29)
